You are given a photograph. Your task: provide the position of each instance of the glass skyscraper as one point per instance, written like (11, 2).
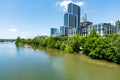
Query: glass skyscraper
(72, 19)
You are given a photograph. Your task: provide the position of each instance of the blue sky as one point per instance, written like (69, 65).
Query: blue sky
(29, 18)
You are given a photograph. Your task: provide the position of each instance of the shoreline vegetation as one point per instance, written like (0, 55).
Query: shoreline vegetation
(93, 45)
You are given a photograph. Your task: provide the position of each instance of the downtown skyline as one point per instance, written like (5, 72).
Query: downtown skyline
(28, 18)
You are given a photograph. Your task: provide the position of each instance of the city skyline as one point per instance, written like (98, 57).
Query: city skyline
(32, 18)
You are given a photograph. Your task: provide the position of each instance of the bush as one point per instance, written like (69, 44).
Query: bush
(93, 45)
(62, 47)
(68, 49)
(58, 44)
(117, 58)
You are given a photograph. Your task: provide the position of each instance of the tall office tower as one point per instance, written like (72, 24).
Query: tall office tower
(72, 19)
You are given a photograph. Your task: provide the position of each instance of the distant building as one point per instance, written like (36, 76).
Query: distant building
(72, 19)
(114, 23)
(117, 26)
(76, 24)
(102, 29)
(84, 27)
(54, 32)
(42, 36)
(83, 18)
(63, 31)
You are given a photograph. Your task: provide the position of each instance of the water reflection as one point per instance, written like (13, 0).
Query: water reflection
(49, 64)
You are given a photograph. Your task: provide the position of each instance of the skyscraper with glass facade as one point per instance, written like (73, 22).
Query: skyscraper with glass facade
(72, 19)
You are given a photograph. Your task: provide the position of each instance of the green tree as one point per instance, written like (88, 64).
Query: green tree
(63, 45)
(93, 33)
(17, 41)
(117, 58)
(75, 43)
(91, 43)
(68, 49)
(119, 24)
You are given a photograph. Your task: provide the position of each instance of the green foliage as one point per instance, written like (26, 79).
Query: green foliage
(93, 33)
(62, 47)
(117, 58)
(17, 41)
(119, 24)
(1, 40)
(68, 49)
(75, 43)
(58, 44)
(107, 48)
(93, 45)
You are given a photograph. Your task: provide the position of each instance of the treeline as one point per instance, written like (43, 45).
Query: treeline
(7, 40)
(94, 45)
(1, 40)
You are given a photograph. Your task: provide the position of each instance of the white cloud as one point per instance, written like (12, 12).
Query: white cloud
(13, 30)
(80, 3)
(63, 4)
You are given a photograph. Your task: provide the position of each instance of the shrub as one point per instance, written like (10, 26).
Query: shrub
(68, 49)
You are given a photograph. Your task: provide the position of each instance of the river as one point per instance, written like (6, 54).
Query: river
(20, 63)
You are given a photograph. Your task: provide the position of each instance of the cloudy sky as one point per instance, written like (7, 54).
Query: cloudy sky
(29, 18)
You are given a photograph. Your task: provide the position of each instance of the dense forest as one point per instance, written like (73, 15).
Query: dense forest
(93, 45)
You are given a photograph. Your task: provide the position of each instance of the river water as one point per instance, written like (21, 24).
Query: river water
(20, 63)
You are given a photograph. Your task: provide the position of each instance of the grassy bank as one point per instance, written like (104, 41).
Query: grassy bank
(95, 46)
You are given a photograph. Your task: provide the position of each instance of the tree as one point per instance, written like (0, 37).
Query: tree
(62, 47)
(117, 58)
(17, 41)
(91, 42)
(75, 43)
(68, 49)
(93, 33)
(119, 24)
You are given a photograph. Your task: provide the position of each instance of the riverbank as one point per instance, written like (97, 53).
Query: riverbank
(82, 57)
(95, 46)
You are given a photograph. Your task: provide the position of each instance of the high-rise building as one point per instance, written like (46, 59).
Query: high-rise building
(84, 27)
(54, 31)
(72, 19)
(63, 31)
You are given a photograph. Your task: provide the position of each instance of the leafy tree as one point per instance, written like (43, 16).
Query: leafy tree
(62, 47)
(117, 58)
(93, 33)
(1, 40)
(119, 24)
(58, 44)
(68, 49)
(17, 41)
(90, 43)
(75, 43)
(93, 45)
